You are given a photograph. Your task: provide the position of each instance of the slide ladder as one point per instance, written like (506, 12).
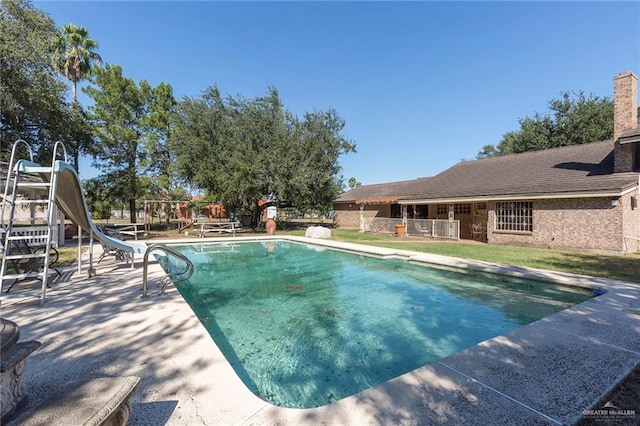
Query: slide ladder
(33, 190)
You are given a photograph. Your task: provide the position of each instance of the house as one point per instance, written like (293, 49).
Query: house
(576, 197)
(197, 206)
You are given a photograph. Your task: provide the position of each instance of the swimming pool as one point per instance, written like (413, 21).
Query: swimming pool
(304, 326)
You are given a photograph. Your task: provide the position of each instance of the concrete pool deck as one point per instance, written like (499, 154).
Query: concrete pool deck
(548, 372)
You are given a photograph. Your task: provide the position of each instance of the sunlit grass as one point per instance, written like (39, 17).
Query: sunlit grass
(68, 255)
(622, 267)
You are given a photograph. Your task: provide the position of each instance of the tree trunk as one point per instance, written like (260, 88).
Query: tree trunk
(255, 219)
(132, 210)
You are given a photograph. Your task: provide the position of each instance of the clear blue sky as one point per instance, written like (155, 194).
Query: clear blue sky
(421, 85)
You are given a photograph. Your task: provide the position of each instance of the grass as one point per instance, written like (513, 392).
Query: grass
(621, 267)
(68, 255)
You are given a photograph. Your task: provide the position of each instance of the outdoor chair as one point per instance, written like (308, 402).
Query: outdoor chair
(425, 231)
(108, 250)
(476, 232)
(26, 264)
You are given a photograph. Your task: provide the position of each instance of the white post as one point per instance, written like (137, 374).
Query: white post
(79, 250)
(61, 235)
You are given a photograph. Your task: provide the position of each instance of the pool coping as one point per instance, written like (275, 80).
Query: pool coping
(548, 372)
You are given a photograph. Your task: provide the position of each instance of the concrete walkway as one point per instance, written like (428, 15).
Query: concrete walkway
(547, 372)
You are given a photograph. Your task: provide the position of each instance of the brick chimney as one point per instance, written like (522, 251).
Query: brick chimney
(625, 117)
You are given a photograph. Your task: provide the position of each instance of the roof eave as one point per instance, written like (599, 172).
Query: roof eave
(511, 197)
(629, 139)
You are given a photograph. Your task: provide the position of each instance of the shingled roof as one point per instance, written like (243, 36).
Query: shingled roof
(630, 136)
(383, 193)
(572, 171)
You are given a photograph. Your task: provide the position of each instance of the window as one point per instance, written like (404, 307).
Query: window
(396, 210)
(462, 208)
(514, 216)
(443, 209)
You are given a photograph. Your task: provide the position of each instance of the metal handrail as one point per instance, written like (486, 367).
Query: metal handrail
(64, 152)
(9, 171)
(171, 277)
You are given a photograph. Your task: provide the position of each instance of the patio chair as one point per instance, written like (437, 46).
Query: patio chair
(108, 250)
(27, 264)
(476, 232)
(425, 230)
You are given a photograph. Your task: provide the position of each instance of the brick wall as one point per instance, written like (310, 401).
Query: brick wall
(580, 224)
(347, 215)
(625, 117)
(583, 224)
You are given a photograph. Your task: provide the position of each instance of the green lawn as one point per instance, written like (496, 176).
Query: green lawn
(622, 267)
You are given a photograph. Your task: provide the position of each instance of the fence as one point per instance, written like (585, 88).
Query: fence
(382, 225)
(433, 228)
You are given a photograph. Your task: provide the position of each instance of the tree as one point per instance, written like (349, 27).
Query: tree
(159, 159)
(573, 119)
(74, 55)
(32, 105)
(315, 179)
(132, 124)
(353, 183)
(246, 151)
(101, 195)
(117, 116)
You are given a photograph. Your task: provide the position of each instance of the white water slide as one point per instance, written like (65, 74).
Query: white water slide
(70, 199)
(64, 189)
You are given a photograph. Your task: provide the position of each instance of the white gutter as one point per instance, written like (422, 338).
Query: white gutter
(555, 196)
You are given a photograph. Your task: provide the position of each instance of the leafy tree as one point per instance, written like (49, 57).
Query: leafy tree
(100, 195)
(159, 159)
(489, 151)
(32, 97)
(573, 119)
(74, 54)
(315, 178)
(245, 151)
(132, 124)
(353, 183)
(117, 116)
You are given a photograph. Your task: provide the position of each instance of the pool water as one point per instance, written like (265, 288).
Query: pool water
(305, 326)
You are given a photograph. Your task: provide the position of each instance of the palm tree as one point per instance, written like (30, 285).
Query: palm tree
(74, 54)
(353, 183)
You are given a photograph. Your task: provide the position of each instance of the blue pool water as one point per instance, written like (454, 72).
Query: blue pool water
(304, 326)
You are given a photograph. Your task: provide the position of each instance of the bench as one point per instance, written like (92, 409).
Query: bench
(219, 227)
(103, 401)
(125, 231)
